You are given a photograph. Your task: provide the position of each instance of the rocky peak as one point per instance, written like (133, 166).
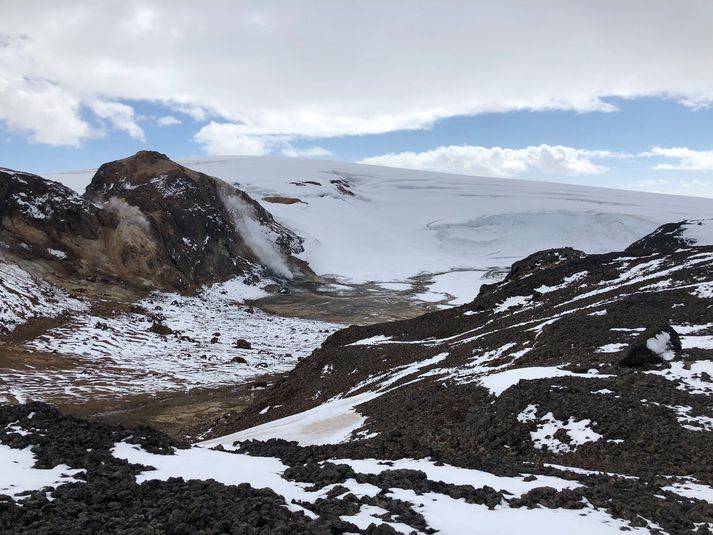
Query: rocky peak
(672, 236)
(206, 228)
(142, 169)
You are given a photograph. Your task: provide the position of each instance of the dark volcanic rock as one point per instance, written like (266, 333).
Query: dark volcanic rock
(574, 360)
(110, 501)
(657, 345)
(542, 260)
(562, 322)
(667, 238)
(37, 214)
(241, 343)
(160, 328)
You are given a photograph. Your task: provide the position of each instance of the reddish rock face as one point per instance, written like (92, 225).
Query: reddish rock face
(148, 221)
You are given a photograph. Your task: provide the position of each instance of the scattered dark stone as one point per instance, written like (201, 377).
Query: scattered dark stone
(241, 343)
(159, 328)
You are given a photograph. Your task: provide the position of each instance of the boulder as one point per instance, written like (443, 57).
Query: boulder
(241, 343)
(655, 346)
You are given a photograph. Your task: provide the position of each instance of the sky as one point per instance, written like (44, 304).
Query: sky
(605, 93)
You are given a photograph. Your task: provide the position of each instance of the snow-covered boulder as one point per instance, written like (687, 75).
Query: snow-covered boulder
(655, 346)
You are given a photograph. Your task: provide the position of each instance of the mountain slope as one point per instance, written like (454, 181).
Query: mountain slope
(369, 223)
(139, 287)
(83, 477)
(533, 369)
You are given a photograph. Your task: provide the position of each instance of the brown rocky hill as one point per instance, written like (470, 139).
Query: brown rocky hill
(144, 221)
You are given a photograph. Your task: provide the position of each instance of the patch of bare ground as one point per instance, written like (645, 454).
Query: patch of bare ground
(278, 199)
(184, 415)
(352, 304)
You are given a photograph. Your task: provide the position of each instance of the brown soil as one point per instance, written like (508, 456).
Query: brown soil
(182, 415)
(278, 199)
(351, 304)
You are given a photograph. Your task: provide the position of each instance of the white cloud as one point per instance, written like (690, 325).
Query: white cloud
(121, 116)
(688, 159)
(228, 139)
(45, 111)
(309, 152)
(168, 120)
(673, 186)
(195, 112)
(499, 161)
(320, 69)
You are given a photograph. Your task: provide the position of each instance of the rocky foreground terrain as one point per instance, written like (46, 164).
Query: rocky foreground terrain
(601, 363)
(574, 396)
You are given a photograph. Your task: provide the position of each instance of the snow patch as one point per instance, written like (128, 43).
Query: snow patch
(514, 301)
(565, 282)
(452, 516)
(18, 475)
(23, 297)
(698, 232)
(455, 475)
(694, 378)
(611, 348)
(57, 253)
(458, 287)
(691, 489)
(661, 345)
(499, 382)
(331, 422)
(372, 341)
(578, 431)
(120, 354)
(692, 423)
